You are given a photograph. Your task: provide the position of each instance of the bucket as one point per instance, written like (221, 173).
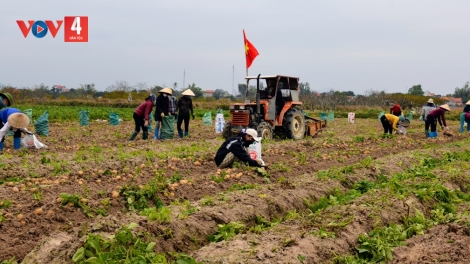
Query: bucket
(404, 123)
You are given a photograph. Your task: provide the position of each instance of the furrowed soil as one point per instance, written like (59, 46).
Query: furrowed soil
(95, 161)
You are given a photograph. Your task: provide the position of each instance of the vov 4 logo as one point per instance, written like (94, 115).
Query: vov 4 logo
(75, 28)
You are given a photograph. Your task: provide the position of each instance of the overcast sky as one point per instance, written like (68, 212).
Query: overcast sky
(345, 45)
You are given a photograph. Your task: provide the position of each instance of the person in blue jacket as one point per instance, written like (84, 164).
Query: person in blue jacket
(13, 119)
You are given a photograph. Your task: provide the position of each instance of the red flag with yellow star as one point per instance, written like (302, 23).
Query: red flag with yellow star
(250, 51)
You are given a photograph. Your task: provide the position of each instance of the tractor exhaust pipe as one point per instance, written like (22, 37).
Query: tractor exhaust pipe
(258, 107)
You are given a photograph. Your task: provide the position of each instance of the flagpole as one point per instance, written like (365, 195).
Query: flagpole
(233, 79)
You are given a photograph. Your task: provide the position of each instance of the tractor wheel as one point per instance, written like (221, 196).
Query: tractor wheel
(265, 130)
(294, 124)
(227, 131)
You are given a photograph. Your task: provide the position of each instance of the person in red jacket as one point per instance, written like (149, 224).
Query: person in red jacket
(395, 109)
(435, 115)
(141, 117)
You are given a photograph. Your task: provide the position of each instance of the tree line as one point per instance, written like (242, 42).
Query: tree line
(311, 99)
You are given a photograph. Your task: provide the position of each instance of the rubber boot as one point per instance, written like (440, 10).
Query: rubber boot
(145, 135)
(426, 132)
(433, 134)
(1, 146)
(133, 135)
(155, 134)
(180, 133)
(17, 143)
(185, 133)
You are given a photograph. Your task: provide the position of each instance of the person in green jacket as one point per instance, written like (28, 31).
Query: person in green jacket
(7, 100)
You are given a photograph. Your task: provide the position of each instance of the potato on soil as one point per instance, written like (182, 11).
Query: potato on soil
(115, 194)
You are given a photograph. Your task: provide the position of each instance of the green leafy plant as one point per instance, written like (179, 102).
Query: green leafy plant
(237, 186)
(76, 200)
(137, 198)
(162, 214)
(323, 233)
(217, 179)
(124, 247)
(4, 204)
(358, 139)
(227, 231)
(262, 224)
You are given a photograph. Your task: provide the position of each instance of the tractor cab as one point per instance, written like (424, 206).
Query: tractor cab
(271, 103)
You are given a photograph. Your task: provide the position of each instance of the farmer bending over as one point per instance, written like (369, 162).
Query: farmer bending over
(436, 115)
(389, 123)
(13, 119)
(234, 147)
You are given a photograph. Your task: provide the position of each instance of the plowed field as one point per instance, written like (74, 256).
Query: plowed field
(324, 199)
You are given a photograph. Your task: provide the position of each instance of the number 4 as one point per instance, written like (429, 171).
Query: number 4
(76, 25)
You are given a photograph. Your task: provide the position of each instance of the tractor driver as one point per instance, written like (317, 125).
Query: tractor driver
(270, 91)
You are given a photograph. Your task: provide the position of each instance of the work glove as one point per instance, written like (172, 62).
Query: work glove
(193, 116)
(162, 115)
(265, 167)
(446, 128)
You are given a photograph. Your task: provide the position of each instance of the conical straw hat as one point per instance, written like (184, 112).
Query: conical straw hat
(18, 120)
(166, 90)
(446, 107)
(188, 92)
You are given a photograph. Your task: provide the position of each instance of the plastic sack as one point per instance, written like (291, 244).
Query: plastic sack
(331, 116)
(150, 129)
(409, 116)
(113, 119)
(381, 114)
(42, 124)
(30, 141)
(29, 113)
(84, 118)
(167, 131)
(207, 119)
(323, 116)
(401, 130)
(351, 118)
(219, 123)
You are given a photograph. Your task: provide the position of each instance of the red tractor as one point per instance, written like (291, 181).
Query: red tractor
(274, 109)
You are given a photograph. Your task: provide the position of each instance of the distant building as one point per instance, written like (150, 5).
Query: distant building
(454, 102)
(208, 93)
(60, 88)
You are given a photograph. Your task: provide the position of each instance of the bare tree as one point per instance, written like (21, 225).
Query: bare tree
(120, 86)
(141, 86)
